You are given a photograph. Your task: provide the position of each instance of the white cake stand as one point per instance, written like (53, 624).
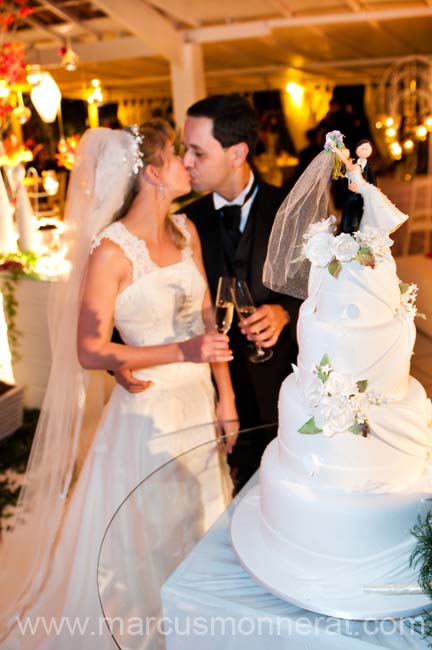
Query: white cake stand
(269, 569)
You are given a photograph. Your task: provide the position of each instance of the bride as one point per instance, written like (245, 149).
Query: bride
(145, 274)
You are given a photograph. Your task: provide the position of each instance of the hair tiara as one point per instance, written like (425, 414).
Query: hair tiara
(137, 142)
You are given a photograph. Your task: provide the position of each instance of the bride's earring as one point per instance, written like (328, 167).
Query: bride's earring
(161, 191)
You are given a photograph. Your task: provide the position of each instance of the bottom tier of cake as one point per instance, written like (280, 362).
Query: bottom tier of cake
(326, 550)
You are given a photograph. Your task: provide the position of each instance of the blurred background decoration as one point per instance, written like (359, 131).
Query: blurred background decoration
(12, 64)
(404, 119)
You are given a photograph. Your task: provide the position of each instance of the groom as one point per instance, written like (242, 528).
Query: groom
(234, 221)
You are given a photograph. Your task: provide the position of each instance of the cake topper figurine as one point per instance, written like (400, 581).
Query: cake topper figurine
(353, 204)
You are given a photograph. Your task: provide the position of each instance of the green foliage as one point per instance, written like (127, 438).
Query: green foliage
(356, 428)
(309, 427)
(421, 557)
(365, 257)
(334, 267)
(362, 385)
(14, 266)
(324, 368)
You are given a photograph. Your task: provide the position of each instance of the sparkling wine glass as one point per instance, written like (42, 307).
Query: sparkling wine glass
(245, 307)
(224, 304)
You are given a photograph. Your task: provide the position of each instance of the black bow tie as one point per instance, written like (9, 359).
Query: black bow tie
(231, 215)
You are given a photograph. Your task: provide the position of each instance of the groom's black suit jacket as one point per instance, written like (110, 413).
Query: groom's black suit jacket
(256, 385)
(352, 202)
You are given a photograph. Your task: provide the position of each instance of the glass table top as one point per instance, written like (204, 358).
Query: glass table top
(154, 529)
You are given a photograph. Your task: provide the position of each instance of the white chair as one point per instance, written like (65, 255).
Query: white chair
(420, 214)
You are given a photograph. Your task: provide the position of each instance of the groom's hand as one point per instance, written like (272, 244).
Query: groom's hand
(265, 324)
(130, 383)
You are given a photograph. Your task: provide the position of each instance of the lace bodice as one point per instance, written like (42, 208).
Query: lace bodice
(162, 304)
(135, 249)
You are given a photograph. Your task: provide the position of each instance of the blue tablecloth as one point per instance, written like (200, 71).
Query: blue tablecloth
(210, 603)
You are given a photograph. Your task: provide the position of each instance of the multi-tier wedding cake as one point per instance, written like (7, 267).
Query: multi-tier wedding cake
(350, 472)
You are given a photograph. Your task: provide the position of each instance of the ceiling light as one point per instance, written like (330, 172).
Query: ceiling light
(70, 60)
(46, 97)
(33, 74)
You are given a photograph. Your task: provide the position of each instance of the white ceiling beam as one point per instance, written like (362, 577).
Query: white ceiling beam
(254, 28)
(67, 16)
(356, 6)
(229, 32)
(35, 24)
(40, 33)
(282, 6)
(151, 27)
(113, 49)
(180, 11)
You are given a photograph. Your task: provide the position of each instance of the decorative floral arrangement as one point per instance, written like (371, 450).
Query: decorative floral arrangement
(322, 248)
(15, 266)
(334, 139)
(12, 65)
(67, 150)
(31, 265)
(14, 153)
(338, 402)
(408, 298)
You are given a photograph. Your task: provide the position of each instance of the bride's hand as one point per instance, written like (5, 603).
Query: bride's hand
(227, 423)
(206, 348)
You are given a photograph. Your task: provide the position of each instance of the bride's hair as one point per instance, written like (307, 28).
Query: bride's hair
(152, 138)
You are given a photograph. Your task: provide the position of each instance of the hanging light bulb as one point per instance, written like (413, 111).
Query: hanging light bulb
(21, 112)
(389, 121)
(33, 74)
(390, 132)
(395, 151)
(421, 132)
(96, 94)
(428, 122)
(408, 145)
(4, 89)
(70, 59)
(46, 97)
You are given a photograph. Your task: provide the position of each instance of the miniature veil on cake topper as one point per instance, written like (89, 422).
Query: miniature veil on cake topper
(285, 270)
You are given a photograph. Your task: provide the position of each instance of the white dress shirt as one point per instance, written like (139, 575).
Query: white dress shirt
(219, 202)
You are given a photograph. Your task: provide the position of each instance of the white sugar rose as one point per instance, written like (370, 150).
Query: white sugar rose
(338, 384)
(344, 247)
(376, 238)
(325, 225)
(359, 404)
(318, 249)
(337, 416)
(313, 391)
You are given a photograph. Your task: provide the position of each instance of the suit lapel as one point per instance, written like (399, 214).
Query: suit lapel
(211, 243)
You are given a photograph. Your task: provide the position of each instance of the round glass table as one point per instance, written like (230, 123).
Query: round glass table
(154, 530)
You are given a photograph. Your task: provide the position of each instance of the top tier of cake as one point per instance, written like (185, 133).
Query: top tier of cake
(357, 320)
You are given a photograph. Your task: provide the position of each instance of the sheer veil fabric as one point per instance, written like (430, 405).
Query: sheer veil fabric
(102, 174)
(306, 204)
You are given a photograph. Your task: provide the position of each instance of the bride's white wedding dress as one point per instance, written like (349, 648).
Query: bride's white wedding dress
(138, 434)
(378, 210)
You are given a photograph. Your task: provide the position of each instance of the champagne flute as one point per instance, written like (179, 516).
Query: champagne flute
(224, 304)
(245, 307)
